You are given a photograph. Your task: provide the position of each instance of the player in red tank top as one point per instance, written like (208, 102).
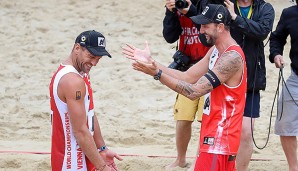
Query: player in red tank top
(220, 76)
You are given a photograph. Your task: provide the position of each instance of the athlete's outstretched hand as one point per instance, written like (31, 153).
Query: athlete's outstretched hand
(142, 59)
(108, 156)
(131, 52)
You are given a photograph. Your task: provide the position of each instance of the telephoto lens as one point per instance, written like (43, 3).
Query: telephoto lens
(181, 4)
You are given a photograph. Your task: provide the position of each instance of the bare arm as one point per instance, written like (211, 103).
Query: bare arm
(228, 69)
(192, 83)
(73, 92)
(191, 75)
(108, 155)
(99, 141)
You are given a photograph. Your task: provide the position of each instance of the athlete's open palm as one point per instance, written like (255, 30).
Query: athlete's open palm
(109, 156)
(131, 52)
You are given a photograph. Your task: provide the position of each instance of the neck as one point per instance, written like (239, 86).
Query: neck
(244, 3)
(70, 61)
(224, 43)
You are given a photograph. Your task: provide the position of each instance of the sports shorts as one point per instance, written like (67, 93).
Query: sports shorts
(252, 104)
(215, 162)
(186, 109)
(286, 123)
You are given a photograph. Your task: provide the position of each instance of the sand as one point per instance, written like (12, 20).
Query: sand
(135, 111)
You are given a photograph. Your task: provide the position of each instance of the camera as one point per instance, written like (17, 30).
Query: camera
(181, 4)
(181, 61)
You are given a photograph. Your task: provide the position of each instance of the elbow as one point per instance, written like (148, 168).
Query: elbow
(169, 39)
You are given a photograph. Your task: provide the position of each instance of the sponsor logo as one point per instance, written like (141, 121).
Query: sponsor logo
(101, 42)
(219, 17)
(79, 158)
(205, 10)
(208, 140)
(68, 141)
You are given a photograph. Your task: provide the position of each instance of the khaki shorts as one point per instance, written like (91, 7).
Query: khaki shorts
(186, 109)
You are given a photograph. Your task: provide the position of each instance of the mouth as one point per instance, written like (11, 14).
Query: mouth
(88, 67)
(207, 37)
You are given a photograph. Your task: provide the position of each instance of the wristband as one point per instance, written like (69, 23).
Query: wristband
(103, 148)
(213, 79)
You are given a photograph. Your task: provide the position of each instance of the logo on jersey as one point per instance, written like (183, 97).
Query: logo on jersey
(208, 140)
(206, 109)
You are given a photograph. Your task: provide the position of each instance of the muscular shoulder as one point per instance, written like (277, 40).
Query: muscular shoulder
(230, 61)
(229, 64)
(69, 85)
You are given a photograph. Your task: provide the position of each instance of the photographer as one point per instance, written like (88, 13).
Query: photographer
(178, 26)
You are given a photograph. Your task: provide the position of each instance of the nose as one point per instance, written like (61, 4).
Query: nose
(94, 61)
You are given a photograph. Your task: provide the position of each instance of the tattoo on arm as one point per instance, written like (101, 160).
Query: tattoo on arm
(226, 67)
(229, 64)
(194, 91)
(78, 95)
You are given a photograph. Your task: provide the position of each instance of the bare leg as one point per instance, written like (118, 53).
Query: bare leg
(289, 145)
(192, 167)
(246, 145)
(183, 134)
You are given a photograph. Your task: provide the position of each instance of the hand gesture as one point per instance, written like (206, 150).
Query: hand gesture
(170, 4)
(230, 7)
(108, 156)
(136, 54)
(143, 60)
(185, 10)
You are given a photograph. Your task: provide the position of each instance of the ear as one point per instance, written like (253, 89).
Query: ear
(221, 27)
(76, 48)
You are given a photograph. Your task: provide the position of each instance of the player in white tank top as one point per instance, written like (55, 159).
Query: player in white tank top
(77, 143)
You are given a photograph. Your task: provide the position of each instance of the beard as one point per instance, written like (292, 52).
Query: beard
(206, 42)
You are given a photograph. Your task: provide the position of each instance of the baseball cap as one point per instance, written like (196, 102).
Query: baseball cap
(213, 13)
(94, 42)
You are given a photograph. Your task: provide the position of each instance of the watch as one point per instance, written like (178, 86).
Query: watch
(103, 148)
(157, 76)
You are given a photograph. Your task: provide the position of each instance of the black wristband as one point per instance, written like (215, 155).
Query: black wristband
(213, 79)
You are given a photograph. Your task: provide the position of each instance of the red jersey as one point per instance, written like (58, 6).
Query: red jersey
(66, 153)
(223, 113)
(190, 43)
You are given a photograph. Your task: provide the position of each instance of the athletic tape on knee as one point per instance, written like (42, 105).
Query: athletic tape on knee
(212, 78)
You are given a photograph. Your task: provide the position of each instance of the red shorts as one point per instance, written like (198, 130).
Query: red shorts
(215, 162)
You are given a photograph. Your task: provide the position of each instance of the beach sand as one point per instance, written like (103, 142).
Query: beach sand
(134, 111)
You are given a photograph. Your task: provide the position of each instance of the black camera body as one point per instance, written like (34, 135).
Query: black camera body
(180, 4)
(181, 61)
